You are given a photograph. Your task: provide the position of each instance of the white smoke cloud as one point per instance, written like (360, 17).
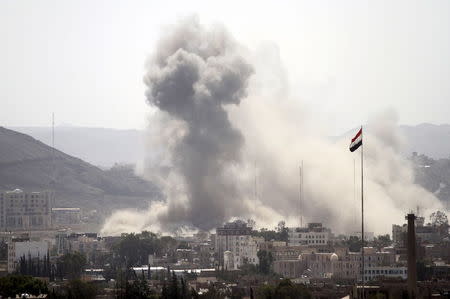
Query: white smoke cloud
(278, 132)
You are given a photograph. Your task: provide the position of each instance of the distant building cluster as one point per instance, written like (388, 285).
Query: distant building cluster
(37, 235)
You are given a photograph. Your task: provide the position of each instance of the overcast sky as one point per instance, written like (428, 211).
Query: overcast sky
(84, 60)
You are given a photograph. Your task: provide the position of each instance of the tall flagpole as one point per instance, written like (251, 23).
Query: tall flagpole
(362, 212)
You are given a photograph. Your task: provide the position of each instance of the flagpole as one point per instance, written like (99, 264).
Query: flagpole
(362, 213)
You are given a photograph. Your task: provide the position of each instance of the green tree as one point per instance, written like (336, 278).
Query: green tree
(139, 289)
(438, 218)
(284, 290)
(79, 289)
(17, 284)
(71, 265)
(382, 241)
(354, 244)
(174, 291)
(265, 261)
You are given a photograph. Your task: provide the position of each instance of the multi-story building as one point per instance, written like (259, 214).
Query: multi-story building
(20, 210)
(347, 265)
(424, 233)
(236, 238)
(376, 272)
(66, 216)
(313, 235)
(23, 247)
(289, 268)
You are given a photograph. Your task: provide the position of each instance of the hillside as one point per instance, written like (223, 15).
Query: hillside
(433, 175)
(101, 146)
(29, 164)
(429, 139)
(104, 147)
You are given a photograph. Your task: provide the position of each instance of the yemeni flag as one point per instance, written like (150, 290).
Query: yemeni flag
(356, 141)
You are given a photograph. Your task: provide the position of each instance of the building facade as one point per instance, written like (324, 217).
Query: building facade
(313, 235)
(235, 237)
(20, 247)
(20, 210)
(66, 216)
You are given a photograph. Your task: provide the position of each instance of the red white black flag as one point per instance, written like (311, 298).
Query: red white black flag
(356, 141)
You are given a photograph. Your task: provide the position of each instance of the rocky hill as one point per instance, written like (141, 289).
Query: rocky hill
(101, 146)
(433, 175)
(29, 164)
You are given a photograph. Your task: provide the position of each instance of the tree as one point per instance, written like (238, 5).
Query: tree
(265, 261)
(439, 218)
(174, 291)
(71, 265)
(3, 250)
(284, 290)
(16, 284)
(382, 241)
(354, 243)
(138, 289)
(80, 289)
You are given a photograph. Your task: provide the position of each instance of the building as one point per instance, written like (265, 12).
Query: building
(313, 235)
(236, 238)
(289, 268)
(284, 253)
(347, 265)
(23, 247)
(378, 272)
(66, 216)
(20, 210)
(424, 233)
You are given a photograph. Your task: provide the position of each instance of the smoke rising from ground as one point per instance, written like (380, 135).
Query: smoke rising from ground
(195, 73)
(229, 140)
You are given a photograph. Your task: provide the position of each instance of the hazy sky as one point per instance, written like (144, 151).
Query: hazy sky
(84, 60)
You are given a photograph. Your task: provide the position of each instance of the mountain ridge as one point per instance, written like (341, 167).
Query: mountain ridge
(29, 164)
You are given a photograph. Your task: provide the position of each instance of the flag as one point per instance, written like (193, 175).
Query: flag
(356, 141)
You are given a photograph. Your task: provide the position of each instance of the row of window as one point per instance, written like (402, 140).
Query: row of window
(397, 271)
(312, 236)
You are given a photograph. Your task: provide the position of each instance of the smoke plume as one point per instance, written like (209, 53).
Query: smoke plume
(228, 141)
(194, 74)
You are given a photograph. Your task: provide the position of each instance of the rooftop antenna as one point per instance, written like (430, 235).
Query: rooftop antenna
(354, 190)
(53, 134)
(53, 176)
(255, 188)
(300, 192)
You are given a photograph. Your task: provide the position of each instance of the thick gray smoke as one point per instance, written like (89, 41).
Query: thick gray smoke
(194, 74)
(218, 157)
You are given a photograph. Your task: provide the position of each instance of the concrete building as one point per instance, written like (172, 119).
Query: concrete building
(289, 268)
(66, 216)
(236, 238)
(377, 272)
(313, 235)
(346, 264)
(284, 253)
(20, 210)
(23, 247)
(424, 233)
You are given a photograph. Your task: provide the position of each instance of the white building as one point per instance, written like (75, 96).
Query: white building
(20, 210)
(314, 235)
(373, 273)
(236, 238)
(18, 248)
